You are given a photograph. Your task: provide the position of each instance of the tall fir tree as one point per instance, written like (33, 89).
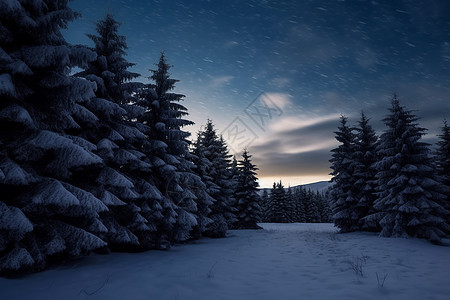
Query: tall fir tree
(204, 200)
(291, 199)
(323, 208)
(312, 209)
(221, 184)
(364, 170)
(172, 162)
(122, 183)
(110, 69)
(301, 202)
(409, 192)
(265, 205)
(247, 197)
(343, 193)
(443, 163)
(43, 215)
(274, 205)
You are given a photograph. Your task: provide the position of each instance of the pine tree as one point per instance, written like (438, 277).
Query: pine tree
(204, 200)
(281, 209)
(443, 163)
(265, 205)
(220, 187)
(323, 208)
(124, 183)
(43, 215)
(247, 198)
(273, 207)
(234, 175)
(312, 209)
(364, 170)
(291, 200)
(301, 204)
(110, 70)
(343, 192)
(408, 189)
(172, 163)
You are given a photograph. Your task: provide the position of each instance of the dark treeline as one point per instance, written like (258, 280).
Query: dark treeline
(296, 204)
(95, 161)
(393, 184)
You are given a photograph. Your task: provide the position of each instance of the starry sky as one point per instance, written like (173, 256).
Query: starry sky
(275, 76)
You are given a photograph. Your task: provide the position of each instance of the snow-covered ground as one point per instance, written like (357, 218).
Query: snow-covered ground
(284, 261)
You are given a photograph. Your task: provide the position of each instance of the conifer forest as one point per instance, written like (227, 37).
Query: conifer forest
(94, 161)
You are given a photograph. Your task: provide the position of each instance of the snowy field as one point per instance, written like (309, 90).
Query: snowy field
(284, 261)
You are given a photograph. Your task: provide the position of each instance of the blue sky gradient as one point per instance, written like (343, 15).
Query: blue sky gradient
(294, 66)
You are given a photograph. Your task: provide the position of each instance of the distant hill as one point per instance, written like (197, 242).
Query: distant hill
(320, 186)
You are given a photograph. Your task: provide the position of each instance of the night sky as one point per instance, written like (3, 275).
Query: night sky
(275, 76)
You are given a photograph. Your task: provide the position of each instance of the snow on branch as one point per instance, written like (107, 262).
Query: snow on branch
(52, 192)
(12, 218)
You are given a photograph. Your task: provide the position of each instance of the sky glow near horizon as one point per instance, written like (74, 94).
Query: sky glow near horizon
(284, 71)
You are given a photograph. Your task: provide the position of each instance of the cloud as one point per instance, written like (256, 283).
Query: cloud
(280, 100)
(296, 146)
(296, 164)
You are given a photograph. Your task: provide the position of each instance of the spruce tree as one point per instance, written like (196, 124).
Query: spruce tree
(110, 70)
(247, 197)
(291, 200)
(43, 215)
(234, 174)
(281, 209)
(124, 183)
(443, 163)
(272, 204)
(364, 170)
(312, 209)
(301, 204)
(408, 189)
(346, 216)
(323, 208)
(204, 200)
(221, 184)
(264, 205)
(172, 163)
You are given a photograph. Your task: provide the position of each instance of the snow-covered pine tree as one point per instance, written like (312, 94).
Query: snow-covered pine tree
(172, 163)
(312, 209)
(281, 209)
(265, 205)
(343, 192)
(291, 199)
(123, 184)
(248, 209)
(272, 204)
(204, 200)
(42, 214)
(364, 170)
(408, 190)
(300, 196)
(110, 69)
(323, 208)
(234, 174)
(221, 189)
(443, 163)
